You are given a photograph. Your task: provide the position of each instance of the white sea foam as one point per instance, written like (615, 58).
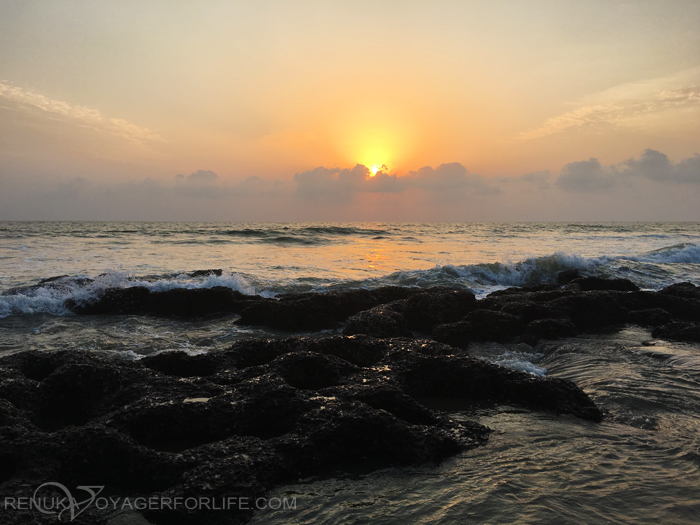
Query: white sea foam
(521, 362)
(50, 298)
(650, 270)
(687, 253)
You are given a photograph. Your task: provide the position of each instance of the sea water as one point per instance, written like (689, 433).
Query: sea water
(641, 465)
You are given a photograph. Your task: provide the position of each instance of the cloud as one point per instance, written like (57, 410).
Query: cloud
(18, 99)
(344, 183)
(585, 176)
(620, 113)
(535, 181)
(330, 182)
(203, 176)
(449, 178)
(656, 166)
(688, 170)
(652, 165)
(647, 187)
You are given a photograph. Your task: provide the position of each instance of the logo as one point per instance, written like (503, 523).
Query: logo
(61, 505)
(55, 499)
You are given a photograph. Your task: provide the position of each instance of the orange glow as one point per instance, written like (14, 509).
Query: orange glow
(376, 136)
(376, 168)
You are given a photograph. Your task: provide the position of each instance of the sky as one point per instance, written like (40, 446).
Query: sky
(522, 110)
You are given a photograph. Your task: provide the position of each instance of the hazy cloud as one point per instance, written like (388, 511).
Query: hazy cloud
(652, 165)
(656, 166)
(330, 182)
(688, 170)
(596, 117)
(446, 178)
(585, 176)
(538, 180)
(203, 176)
(648, 187)
(18, 99)
(450, 177)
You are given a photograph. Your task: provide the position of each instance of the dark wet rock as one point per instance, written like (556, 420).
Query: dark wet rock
(436, 306)
(117, 301)
(310, 370)
(380, 321)
(490, 325)
(591, 303)
(359, 350)
(649, 317)
(587, 284)
(237, 422)
(206, 273)
(591, 310)
(455, 334)
(179, 302)
(687, 290)
(498, 299)
(530, 311)
(352, 436)
(684, 308)
(181, 364)
(313, 311)
(384, 395)
(567, 276)
(72, 394)
(550, 328)
(678, 331)
(469, 378)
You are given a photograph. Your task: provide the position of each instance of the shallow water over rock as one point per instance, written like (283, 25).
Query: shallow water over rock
(641, 465)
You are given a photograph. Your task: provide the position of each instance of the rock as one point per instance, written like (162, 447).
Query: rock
(180, 364)
(649, 317)
(551, 328)
(489, 325)
(306, 370)
(178, 302)
(567, 276)
(436, 306)
(678, 331)
(598, 283)
(359, 350)
(115, 301)
(683, 308)
(312, 311)
(530, 311)
(240, 421)
(380, 321)
(687, 290)
(384, 395)
(456, 334)
(591, 310)
(469, 378)
(206, 273)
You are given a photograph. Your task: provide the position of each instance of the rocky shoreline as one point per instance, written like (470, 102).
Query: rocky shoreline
(572, 305)
(267, 412)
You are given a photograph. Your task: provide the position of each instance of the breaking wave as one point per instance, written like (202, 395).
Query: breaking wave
(651, 270)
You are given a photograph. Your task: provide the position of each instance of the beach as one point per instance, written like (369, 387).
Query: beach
(561, 386)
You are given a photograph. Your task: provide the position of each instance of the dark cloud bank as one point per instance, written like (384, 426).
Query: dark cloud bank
(650, 187)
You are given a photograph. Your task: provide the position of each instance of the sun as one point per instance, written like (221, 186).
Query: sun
(376, 168)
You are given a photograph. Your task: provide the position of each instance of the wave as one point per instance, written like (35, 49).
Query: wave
(687, 253)
(650, 270)
(485, 278)
(308, 235)
(49, 295)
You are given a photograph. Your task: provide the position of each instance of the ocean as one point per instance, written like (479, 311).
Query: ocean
(641, 465)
